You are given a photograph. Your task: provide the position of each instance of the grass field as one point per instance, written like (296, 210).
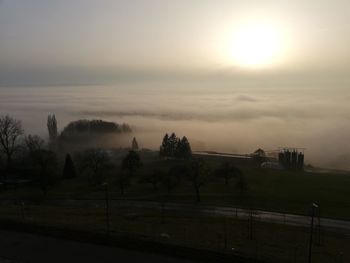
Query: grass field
(273, 190)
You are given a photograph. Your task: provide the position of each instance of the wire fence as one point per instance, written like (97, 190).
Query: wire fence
(259, 235)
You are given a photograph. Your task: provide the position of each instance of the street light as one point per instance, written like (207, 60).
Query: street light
(313, 208)
(105, 184)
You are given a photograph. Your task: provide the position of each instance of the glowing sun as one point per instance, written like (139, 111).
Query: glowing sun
(256, 45)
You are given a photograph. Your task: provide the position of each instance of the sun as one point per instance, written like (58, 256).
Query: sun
(257, 45)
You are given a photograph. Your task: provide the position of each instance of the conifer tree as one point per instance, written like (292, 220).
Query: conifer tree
(164, 148)
(184, 148)
(173, 142)
(134, 145)
(69, 170)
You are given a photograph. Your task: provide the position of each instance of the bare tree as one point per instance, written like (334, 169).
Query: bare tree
(173, 178)
(96, 161)
(227, 171)
(197, 175)
(10, 131)
(33, 143)
(154, 178)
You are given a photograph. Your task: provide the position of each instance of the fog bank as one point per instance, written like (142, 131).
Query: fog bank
(220, 118)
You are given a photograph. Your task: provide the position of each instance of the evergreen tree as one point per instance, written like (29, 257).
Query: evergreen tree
(134, 145)
(173, 142)
(164, 148)
(69, 170)
(173, 146)
(184, 148)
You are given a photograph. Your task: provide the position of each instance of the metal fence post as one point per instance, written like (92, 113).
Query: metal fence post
(314, 206)
(107, 208)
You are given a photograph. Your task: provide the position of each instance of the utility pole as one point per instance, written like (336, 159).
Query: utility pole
(314, 206)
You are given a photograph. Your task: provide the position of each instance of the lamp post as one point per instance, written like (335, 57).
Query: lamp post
(107, 207)
(313, 208)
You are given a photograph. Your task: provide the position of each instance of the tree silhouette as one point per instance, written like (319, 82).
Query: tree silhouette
(228, 171)
(184, 149)
(52, 128)
(10, 131)
(33, 143)
(172, 146)
(134, 145)
(46, 163)
(172, 179)
(173, 142)
(96, 161)
(69, 170)
(154, 178)
(131, 162)
(164, 148)
(197, 175)
(123, 181)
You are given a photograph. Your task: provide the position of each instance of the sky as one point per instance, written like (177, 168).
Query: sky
(231, 75)
(84, 41)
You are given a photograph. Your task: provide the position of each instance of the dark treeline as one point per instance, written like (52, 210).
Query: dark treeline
(93, 126)
(29, 159)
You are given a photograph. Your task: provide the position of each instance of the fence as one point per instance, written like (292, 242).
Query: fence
(273, 237)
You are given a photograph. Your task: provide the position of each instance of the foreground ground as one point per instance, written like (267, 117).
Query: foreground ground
(29, 248)
(82, 206)
(247, 236)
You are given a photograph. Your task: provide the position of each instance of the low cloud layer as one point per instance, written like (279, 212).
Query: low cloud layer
(230, 119)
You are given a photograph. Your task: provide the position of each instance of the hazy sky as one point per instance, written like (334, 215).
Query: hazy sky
(94, 40)
(231, 75)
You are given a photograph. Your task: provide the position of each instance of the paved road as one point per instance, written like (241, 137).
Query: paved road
(264, 216)
(22, 247)
(334, 225)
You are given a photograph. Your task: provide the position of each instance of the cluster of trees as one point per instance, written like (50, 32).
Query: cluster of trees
(82, 130)
(44, 165)
(29, 157)
(25, 155)
(175, 147)
(94, 126)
